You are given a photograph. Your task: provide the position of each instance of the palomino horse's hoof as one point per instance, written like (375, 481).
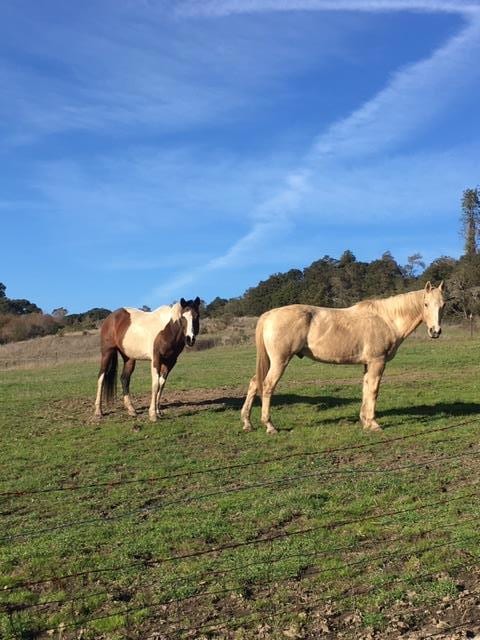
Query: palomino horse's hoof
(152, 417)
(247, 428)
(271, 431)
(373, 427)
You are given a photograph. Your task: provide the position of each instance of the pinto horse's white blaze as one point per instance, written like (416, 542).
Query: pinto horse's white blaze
(159, 336)
(367, 333)
(189, 329)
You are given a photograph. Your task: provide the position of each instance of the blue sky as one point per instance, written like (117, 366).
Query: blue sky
(156, 149)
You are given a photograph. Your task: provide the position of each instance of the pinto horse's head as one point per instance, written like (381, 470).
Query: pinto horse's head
(433, 304)
(191, 313)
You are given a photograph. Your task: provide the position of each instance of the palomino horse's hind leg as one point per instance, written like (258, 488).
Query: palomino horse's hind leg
(371, 383)
(128, 368)
(271, 379)
(247, 405)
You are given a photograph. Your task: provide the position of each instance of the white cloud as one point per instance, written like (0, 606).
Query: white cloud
(229, 7)
(413, 97)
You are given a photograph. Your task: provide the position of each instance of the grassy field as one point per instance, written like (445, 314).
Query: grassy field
(190, 528)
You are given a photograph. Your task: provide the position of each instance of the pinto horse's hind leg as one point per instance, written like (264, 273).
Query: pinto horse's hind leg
(247, 405)
(371, 384)
(107, 355)
(128, 369)
(98, 399)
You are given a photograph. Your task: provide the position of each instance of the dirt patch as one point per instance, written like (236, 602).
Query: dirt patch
(174, 403)
(236, 616)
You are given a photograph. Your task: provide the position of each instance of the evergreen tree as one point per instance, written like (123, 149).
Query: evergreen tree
(470, 220)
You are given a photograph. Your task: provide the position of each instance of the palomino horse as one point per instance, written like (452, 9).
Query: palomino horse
(367, 333)
(159, 336)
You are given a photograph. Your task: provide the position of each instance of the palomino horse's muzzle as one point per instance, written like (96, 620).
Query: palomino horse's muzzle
(434, 333)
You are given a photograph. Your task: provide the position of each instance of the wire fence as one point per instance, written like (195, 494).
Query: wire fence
(236, 489)
(418, 542)
(237, 466)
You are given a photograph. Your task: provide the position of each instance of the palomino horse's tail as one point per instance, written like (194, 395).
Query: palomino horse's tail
(263, 360)
(110, 379)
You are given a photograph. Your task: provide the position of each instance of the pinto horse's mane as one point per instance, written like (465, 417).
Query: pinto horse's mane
(169, 311)
(176, 311)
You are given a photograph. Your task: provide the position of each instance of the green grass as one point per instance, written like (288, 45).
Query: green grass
(370, 538)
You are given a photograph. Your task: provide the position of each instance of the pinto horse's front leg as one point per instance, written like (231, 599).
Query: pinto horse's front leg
(371, 383)
(158, 382)
(159, 378)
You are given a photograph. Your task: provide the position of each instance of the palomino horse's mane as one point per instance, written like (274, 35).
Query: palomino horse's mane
(403, 305)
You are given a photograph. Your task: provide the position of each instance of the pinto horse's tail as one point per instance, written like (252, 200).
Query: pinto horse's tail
(263, 360)
(110, 379)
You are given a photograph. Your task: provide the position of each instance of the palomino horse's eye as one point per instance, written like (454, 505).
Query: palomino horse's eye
(426, 304)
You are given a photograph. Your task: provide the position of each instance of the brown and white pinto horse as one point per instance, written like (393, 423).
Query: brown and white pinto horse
(159, 336)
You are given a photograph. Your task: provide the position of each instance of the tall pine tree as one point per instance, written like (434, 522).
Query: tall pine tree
(470, 219)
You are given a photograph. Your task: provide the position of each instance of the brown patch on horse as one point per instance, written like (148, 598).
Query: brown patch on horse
(168, 345)
(114, 328)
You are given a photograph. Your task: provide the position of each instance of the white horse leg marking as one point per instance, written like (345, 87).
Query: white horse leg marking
(152, 411)
(161, 384)
(98, 399)
(129, 406)
(247, 405)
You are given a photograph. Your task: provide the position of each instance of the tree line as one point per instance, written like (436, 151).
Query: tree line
(21, 319)
(341, 282)
(330, 282)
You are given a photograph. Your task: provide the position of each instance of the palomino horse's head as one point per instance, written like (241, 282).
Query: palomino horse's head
(191, 313)
(433, 304)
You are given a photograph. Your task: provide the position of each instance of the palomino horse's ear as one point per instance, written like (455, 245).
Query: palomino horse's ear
(440, 287)
(428, 287)
(196, 302)
(183, 303)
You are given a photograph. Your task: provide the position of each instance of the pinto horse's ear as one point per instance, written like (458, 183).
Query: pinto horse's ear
(183, 303)
(440, 287)
(428, 287)
(196, 302)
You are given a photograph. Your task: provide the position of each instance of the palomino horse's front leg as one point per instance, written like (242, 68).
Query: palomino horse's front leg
(271, 379)
(247, 405)
(371, 383)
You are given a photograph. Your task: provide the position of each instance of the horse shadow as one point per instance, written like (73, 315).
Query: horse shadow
(234, 402)
(457, 409)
